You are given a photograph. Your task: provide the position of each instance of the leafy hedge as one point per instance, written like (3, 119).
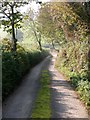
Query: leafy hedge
(72, 60)
(15, 65)
(84, 91)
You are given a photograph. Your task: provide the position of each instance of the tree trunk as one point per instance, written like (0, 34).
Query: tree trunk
(13, 38)
(39, 42)
(13, 31)
(88, 58)
(40, 46)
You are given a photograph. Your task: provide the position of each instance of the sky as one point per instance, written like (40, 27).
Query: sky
(33, 5)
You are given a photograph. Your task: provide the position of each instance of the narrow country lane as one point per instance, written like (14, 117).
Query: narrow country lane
(64, 101)
(42, 42)
(19, 105)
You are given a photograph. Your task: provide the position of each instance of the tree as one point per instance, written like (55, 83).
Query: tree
(37, 34)
(32, 25)
(11, 18)
(56, 16)
(49, 27)
(83, 12)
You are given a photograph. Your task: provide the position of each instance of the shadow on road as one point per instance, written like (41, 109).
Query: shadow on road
(64, 100)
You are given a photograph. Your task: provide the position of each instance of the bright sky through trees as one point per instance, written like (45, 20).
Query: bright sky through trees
(33, 6)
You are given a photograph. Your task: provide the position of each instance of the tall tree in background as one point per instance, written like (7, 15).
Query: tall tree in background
(37, 33)
(49, 26)
(11, 18)
(32, 25)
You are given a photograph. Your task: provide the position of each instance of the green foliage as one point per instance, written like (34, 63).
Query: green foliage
(82, 85)
(6, 45)
(15, 65)
(7, 10)
(72, 61)
(42, 103)
(48, 27)
(84, 91)
(74, 79)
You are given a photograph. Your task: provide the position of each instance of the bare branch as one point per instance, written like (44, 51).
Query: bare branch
(3, 12)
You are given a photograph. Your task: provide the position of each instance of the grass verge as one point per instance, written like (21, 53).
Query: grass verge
(42, 103)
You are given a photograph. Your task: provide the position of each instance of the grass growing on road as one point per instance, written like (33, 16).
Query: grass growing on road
(42, 103)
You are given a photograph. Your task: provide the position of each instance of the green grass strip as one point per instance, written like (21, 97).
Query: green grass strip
(42, 104)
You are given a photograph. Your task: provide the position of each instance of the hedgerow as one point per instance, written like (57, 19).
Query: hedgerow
(15, 65)
(73, 62)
